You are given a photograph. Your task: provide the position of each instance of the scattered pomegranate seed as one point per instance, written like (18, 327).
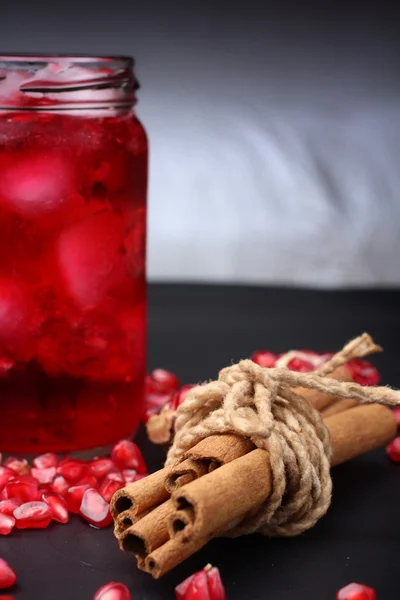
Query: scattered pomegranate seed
(115, 475)
(113, 591)
(71, 470)
(203, 585)
(300, 365)
(18, 465)
(396, 414)
(60, 485)
(356, 591)
(161, 380)
(393, 450)
(99, 467)
(44, 476)
(95, 509)
(58, 507)
(7, 507)
(5, 476)
(32, 515)
(127, 455)
(45, 461)
(7, 575)
(7, 523)
(363, 372)
(129, 475)
(24, 487)
(90, 480)
(74, 497)
(108, 487)
(264, 358)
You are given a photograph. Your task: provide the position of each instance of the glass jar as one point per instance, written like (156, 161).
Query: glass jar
(73, 179)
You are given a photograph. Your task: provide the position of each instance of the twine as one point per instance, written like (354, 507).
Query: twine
(260, 404)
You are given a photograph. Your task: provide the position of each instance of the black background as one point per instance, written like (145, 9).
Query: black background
(196, 330)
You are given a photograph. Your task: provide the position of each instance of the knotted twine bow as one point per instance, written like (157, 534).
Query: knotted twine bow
(260, 404)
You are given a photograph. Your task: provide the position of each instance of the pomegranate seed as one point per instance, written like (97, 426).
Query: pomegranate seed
(356, 591)
(112, 591)
(7, 507)
(115, 475)
(44, 476)
(393, 450)
(74, 497)
(90, 480)
(203, 585)
(32, 515)
(108, 488)
(18, 465)
(396, 414)
(264, 358)
(45, 461)
(58, 507)
(127, 455)
(71, 470)
(5, 475)
(180, 396)
(7, 522)
(7, 575)
(99, 467)
(154, 410)
(161, 380)
(129, 475)
(95, 509)
(60, 485)
(157, 401)
(363, 372)
(300, 365)
(24, 487)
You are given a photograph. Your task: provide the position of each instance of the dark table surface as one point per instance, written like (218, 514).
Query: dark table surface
(194, 331)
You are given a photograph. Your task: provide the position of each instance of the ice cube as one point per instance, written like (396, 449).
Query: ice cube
(34, 185)
(92, 259)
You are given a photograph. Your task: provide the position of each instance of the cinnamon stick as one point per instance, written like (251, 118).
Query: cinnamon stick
(185, 472)
(148, 533)
(319, 400)
(140, 495)
(167, 557)
(338, 407)
(217, 500)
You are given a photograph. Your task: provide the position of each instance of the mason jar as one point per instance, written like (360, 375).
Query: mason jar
(73, 179)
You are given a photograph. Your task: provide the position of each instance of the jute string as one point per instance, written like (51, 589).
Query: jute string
(260, 404)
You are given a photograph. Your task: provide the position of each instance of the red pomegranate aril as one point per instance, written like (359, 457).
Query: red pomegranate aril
(71, 470)
(393, 450)
(5, 475)
(396, 414)
(95, 509)
(60, 485)
(113, 591)
(90, 480)
(58, 507)
(99, 467)
(7, 523)
(115, 475)
(18, 465)
(8, 506)
(74, 497)
(32, 515)
(356, 591)
(264, 358)
(7, 575)
(203, 585)
(161, 380)
(129, 475)
(45, 461)
(300, 365)
(24, 487)
(44, 476)
(108, 487)
(3, 495)
(127, 455)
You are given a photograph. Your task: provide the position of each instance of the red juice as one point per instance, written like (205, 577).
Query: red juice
(73, 179)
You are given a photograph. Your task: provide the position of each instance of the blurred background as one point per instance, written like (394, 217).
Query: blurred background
(274, 131)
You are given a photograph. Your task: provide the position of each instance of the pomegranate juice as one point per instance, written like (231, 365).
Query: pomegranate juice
(72, 273)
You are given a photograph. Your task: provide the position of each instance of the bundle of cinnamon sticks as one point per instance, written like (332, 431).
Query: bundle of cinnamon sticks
(166, 517)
